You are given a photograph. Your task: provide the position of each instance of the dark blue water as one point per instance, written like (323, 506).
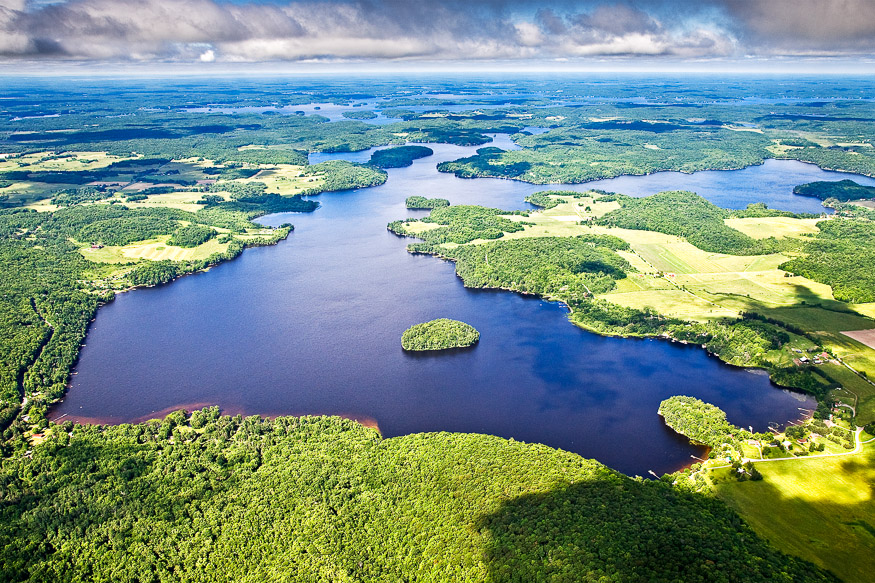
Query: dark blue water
(313, 326)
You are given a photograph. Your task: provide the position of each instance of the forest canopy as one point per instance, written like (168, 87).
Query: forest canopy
(439, 334)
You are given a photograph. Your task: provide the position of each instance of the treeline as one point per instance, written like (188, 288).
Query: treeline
(544, 199)
(439, 334)
(399, 157)
(841, 255)
(423, 203)
(841, 190)
(759, 210)
(210, 498)
(575, 154)
(702, 422)
(462, 224)
(688, 215)
(192, 236)
(558, 267)
(342, 175)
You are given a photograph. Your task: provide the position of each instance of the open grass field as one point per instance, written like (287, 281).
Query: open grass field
(778, 227)
(820, 509)
(153, 249)
(701, 285)
(285, 179)
(183, 200)
(63, 162)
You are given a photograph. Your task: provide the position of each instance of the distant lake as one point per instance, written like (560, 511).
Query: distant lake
(313, 326)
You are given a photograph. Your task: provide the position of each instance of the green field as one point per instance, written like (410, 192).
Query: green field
(855, 391)
(820, 509)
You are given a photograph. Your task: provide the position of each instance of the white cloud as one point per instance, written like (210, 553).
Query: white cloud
(187, 30)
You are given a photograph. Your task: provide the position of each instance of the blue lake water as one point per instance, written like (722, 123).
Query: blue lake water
(313, 326)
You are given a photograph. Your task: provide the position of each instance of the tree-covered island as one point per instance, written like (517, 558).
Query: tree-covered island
(440, 334)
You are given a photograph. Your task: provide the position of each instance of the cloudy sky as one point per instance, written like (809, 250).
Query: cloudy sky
(435, 31)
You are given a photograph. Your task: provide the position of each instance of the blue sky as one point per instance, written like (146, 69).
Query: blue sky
(627, 34)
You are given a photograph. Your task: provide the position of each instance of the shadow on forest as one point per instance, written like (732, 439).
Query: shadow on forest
(629, 531)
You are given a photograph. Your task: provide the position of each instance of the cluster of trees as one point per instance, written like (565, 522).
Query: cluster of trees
(342, 175)
(544, 199)
(462, 224)
(439, 334)
(559, 267)
(422, 203)
(687, 215)
(74, 196)
(702, 422)
(214, 498)
(192, 235)
(576, 153)
(758, 210)
(841, 190)
(359, 114)
(399, 157)
(840, 255)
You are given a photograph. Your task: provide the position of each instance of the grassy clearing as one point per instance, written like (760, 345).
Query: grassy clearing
(285, 179)
(854, 390)
(66, 162)
(821, 509)
(154, 250)
(817, 318)
(183, 200)
(778, 227)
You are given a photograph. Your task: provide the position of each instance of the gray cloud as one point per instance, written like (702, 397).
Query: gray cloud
(217, 30)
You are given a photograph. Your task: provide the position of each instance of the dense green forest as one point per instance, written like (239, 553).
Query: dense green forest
(687, 215)
(702, 422)
(439, 334)
(399, 157)
(842, 256)
(343, 175)
(423, 203)
(462, 224)
(841, 190)
(563, 267)
(210, 498)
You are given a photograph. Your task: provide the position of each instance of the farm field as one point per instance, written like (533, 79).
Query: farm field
(695, 284)
(820, 509)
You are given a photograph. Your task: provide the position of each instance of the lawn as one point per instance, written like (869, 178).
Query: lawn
(820, 509)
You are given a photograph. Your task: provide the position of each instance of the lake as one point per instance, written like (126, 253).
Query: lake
(313, 326)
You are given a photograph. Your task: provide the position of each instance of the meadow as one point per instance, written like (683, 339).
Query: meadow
(820, 509)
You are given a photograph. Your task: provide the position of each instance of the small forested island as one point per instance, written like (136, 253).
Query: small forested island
(423, 203)
(360, 114)
(841, 190)
(399, 157)
(440, 334)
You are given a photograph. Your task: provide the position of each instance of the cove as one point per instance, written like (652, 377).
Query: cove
(313, 326)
